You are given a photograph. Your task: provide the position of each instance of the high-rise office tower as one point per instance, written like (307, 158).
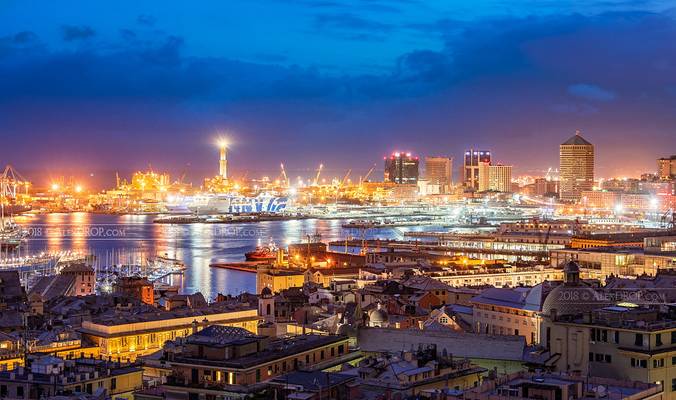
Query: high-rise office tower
(500, 178)
(472, 160)
(401, 168)
(666, 167)
(439, 171)
(576, 167)
(495, 178)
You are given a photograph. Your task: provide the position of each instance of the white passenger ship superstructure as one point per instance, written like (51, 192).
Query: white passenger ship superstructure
(211, 204)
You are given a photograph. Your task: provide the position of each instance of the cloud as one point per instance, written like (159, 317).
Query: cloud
(24, 37)
(350, 26)
(493, 81)
(73, 32)
(591, 92)
(145, 19)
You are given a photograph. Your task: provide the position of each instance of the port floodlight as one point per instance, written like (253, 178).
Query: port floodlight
(78, 188)
(55, 186)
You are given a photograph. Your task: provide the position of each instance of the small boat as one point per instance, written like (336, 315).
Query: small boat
(11, 234)
(262, 253)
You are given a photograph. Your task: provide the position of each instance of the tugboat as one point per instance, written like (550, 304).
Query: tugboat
(262, 253)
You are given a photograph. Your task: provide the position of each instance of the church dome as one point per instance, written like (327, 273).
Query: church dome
(573, 297)
(378, 317)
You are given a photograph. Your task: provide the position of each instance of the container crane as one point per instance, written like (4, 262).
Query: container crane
(284, 179)
(319, 171)
(366, 177)
(346, 177)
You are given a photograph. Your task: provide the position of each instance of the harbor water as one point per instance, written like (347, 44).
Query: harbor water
(132, 239)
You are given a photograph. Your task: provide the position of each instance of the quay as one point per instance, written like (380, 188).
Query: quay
(488, 247)
(229, 219)
(244, 266)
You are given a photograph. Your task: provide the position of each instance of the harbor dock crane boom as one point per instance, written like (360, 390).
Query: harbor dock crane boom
(366, 177)
(319, 171)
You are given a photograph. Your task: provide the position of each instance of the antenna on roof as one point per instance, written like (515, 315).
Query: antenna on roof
(577, 132)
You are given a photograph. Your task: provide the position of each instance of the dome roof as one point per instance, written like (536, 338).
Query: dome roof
(572, 300)
(377, 316)
(573, 297)
(266, 291)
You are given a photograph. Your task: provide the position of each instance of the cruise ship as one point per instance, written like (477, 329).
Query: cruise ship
(211, 204)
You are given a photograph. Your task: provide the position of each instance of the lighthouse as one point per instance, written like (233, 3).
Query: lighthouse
(223, 161)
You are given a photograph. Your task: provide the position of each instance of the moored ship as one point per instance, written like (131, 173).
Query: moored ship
(262, 253)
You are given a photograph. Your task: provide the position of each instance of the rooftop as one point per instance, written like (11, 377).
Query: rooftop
(219, 336)
(576, 140)
(276, 349)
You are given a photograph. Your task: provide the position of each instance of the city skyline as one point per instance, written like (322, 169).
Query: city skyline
(435, 80)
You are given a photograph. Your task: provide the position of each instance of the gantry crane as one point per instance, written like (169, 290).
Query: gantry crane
(319, 171)
(284, 179)
(366, 177)
(346, 177)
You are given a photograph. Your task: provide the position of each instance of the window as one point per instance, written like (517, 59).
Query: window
(658, 339)
(658, 363)
(258, 375)
(333, 351)
(19, 392)
(673, 360)
(638, 340)
(608, 358)
(341, 349)
(113, 384)
(673, 337)
(617, 337)
(673, 384)
(321, 355)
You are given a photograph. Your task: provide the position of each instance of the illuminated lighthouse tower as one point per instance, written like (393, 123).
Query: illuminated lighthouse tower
(223, 162)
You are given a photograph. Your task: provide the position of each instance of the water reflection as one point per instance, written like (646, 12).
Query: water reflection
(134, 238)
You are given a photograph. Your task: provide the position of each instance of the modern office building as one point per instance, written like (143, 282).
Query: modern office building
(666, 167)
(439, 171)
(496, 178)
(576, 166)
(401, 168)
(472, 161)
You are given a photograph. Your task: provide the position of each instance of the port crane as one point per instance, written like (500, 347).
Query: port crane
(346, 177)
(283, 178)
(11, 181)
(319, 171)
(366, 177)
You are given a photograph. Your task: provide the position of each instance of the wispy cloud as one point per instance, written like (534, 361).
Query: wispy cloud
(77, 32)
(591, 92)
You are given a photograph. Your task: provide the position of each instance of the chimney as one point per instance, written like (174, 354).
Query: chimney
(194, 326)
